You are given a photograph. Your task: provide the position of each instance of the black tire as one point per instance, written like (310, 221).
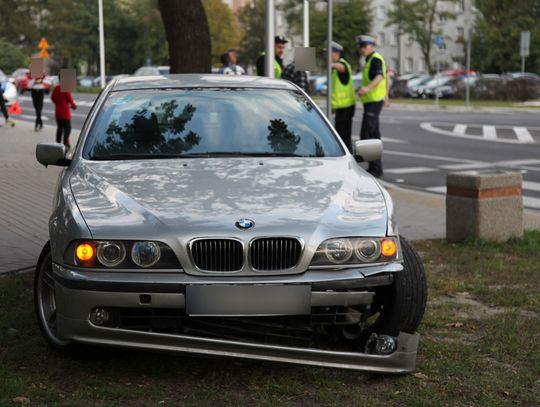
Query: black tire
(45, 303)
(401, 305)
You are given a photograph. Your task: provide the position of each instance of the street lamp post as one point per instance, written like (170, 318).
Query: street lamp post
(329, 62)
(101, 44)
(269, 43)
(306, 23)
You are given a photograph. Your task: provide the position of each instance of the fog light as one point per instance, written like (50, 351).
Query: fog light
(381, 344)
(99, 316)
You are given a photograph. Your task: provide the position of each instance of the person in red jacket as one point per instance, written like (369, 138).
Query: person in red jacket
(62, 102)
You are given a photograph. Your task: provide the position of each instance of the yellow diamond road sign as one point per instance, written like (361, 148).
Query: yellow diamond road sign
(43, 54)
(43, 44)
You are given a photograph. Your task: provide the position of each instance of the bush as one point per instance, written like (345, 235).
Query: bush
(506, 89)
(11, 57)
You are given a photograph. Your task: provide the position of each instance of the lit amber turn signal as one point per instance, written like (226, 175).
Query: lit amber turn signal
(388, 248)
(84, 251)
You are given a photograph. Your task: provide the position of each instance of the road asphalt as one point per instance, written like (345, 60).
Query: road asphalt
(26, 194)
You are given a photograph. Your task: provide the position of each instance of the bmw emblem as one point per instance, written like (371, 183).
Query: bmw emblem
(244, 223)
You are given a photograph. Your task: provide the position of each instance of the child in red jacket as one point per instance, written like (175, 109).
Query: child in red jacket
(62, 102)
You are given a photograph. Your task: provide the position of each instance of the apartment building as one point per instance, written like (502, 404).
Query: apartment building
(454, 32)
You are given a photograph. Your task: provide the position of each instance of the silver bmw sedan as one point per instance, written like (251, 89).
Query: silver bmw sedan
(224, 216)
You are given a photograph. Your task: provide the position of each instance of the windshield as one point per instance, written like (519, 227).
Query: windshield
(209, 122)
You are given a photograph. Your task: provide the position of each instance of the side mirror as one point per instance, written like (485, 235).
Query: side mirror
(52, 154)
(368, 150)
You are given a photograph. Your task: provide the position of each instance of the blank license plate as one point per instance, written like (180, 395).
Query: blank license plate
(245, 300)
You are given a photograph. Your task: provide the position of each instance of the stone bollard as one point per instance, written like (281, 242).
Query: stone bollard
(484, 205)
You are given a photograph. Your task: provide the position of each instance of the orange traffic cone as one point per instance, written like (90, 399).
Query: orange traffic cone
(15, 109)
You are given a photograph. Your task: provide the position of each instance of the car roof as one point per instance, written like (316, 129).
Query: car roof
(199, 81)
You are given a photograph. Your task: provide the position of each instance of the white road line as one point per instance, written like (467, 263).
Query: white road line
(27, 116)
(522, 133)
(530, 202)
(48, 100)
(489, 132)
(431, 157)
(531, 186)
(465, 167)
(411, 170)
(438, 190)
(460, 129)
(394, 140)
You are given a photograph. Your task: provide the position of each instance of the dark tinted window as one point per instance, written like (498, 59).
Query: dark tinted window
(209, 121)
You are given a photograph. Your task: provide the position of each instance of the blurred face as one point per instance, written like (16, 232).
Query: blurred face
(280, 49)
(335, 56)
(366, 49)
(233, 57)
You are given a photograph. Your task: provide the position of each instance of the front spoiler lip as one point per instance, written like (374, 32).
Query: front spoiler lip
(403, 360)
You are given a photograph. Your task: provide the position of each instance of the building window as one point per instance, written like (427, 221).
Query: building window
(381, 12)
(460, 32)
(442, 18)
(382, 39)
(395, 64)
(421, 65)
(408, 65)
(410, 41)
(394, 39)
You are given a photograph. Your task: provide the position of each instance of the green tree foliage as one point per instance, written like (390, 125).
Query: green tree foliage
(251, 18)
(11, 57)
(349, 20)
(224, 30)
(496, 37)
(417, 18)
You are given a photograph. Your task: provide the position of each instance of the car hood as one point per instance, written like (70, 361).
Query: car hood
(205, 197)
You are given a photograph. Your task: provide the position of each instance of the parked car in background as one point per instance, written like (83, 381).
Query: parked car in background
(529, 75)
(85, 81)
(21, 79)
(434, 86)
(152, 70)
(10, 90)
(265, 241)
(413, 84)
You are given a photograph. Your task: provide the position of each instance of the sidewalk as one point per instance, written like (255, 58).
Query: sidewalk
(27, 188)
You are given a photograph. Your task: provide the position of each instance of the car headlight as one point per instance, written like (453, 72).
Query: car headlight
(111, 254)
(125, 254)
(145, 254)
(352, 250)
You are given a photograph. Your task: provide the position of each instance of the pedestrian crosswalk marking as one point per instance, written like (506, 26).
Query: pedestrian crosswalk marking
(531, 186)
(523, 134)
(411, 170)
(489, 132)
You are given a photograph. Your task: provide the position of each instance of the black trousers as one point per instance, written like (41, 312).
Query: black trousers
(37, 101)
(370, 129)
(63, 129)
(343, 124)
(3, 108)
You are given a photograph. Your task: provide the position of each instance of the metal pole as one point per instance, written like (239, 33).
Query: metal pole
(438, 78)
(329, 61)
(522, 63)
(270, 33)
(101, 44)
(306, 23)
(467, 83)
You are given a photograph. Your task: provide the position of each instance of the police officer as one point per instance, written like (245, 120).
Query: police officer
(279, 44)
(343, 98)
(373, 94)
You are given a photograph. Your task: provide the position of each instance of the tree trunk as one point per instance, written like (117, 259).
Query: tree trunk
(187, 34)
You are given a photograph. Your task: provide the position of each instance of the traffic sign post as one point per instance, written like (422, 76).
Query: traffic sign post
(439, 42)
(524, 49)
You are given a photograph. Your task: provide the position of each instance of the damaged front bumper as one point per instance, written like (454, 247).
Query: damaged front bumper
(78, 294)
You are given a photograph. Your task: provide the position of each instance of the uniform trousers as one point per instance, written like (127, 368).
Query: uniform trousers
(343, 124)
(370, 130)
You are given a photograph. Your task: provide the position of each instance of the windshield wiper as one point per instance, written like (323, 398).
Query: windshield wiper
(242, 154)
(136, 156)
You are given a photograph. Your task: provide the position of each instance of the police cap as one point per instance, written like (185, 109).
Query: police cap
(365, 39)
(280, 39)
(336, 47)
